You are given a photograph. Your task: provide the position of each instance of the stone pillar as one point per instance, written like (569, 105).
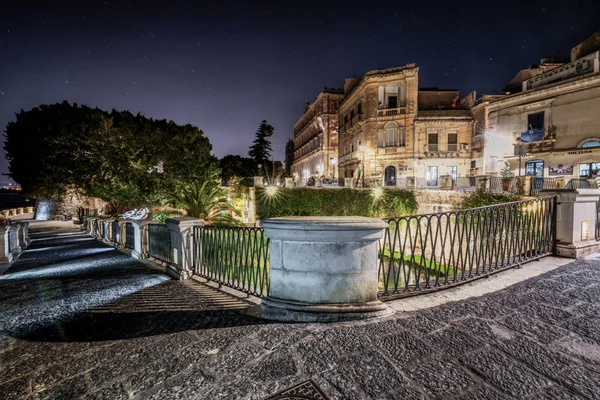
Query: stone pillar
(140, 235)
(13, 236)
(349, 182)
(6, 256)
(446, 182)
(5, 213)
(30, 210)
(120, 242)
(107, 230)
(182, 245)
(560, 182)
(576, 221)
(92, 226)
(483, 182)
(323, 268)
(24, 234)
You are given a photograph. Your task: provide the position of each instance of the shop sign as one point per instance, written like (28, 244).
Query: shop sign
(579, 152)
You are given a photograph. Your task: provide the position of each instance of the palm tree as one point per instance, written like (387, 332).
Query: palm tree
(205, 200)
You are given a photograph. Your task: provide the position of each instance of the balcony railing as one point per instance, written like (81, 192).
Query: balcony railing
(433, 147)
(391, 112)
(349, 156)
(453, 147)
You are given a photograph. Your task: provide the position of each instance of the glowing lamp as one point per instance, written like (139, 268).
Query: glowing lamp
(271, 190)
(377, 192)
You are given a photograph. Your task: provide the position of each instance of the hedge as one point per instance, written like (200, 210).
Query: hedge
(286, 202)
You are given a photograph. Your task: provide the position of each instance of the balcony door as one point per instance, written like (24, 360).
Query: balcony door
(390, 176)
(432, 176)
(535, 169)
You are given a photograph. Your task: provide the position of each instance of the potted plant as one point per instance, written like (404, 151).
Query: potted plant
(507, 175)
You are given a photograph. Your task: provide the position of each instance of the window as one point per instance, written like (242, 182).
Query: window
(589, 170)
(359, 109)
(591, 143)
(391, 131)
(380, 103)
(402, 138)
(534, 168)
(390, 176)
(380, 139)
(432, 176)
(432, 141)
(352, 114)
(473, 164)
(391, 91)
(535, 121)
(452, 141)
(453, 172)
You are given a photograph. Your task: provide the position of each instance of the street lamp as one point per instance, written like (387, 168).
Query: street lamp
(332, 162)
(361, 149)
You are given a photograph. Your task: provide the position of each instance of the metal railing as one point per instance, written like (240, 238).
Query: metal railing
(233, 256)
(465, 183)
(433, 251)
(578, 183)
(159, 243)
(538, 184)
(129, 236)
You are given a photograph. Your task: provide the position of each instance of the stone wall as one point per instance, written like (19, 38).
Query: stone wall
(435, 201)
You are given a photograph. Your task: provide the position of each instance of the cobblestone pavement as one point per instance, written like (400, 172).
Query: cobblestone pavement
(80, 320)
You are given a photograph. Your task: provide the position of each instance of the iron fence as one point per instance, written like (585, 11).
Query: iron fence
(116, 234)
(465, 183)
(129, 235)
(538, 184)
(433, 251)
(237, 257)
(159, 243)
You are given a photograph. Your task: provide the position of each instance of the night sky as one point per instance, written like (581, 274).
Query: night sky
(226, 65)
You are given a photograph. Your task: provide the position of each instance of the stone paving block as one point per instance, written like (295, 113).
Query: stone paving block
(555, 393)
(481, 392)
(315, 356)
(548, 314)
(239, 389)
(327, 388)
(420, 324)
(583, 380)
(504, 373)
(442, 378)
(281, 335)
(68, 389)
(189, 384)
(346, 339)
(234, 357)
(580, 281)
(485, 308)
(403, 347)
(538, 357)
(452, 341)
(20, 388)
(589, 294)
(484, 330)
(550, 285)
(376, 377)
(583, 348)
(534, 328)
(379, 327)
(277, 365)
(585, 326)
(112, 392)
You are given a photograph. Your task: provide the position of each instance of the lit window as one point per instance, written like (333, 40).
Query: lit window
(591, 143)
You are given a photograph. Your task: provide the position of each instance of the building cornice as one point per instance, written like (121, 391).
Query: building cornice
(539, 94)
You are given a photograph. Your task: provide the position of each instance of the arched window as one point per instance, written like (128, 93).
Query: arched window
(590, 143)
(391, 134)
(390, 176)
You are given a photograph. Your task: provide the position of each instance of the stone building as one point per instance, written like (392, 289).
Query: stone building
(548, 125)
(316, 137)
(400, 135)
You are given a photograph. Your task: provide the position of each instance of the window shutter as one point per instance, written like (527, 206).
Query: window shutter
(403, 94)
(380, 139)
(380, 96)
(402, 139)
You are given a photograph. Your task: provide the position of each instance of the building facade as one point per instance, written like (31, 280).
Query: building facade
(549, 127)
(393, 134)
(316, 138)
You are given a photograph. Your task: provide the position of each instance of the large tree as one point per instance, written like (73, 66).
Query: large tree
(114, 156)
(233, 165)
(289, 157)
(261, 149)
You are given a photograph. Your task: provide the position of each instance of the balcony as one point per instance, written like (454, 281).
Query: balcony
(353, 123)
(350, 156)
(449, 150)
(390, 112)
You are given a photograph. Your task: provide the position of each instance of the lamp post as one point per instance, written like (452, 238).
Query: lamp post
(332, 163)
(361, 149)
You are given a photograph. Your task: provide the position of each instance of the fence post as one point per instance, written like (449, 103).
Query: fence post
(15, 246)
(323, 269)
(122, 238)
(140, 238)
(182, 246)
(6, 256)
(576, 221)
(107, 230)
(446, 182)
(24, 234)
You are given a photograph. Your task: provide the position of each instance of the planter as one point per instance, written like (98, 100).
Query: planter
(507, 186)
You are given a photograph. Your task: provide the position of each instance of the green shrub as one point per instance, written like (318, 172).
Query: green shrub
(161, 217)
(481, 198)
(286, 202)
